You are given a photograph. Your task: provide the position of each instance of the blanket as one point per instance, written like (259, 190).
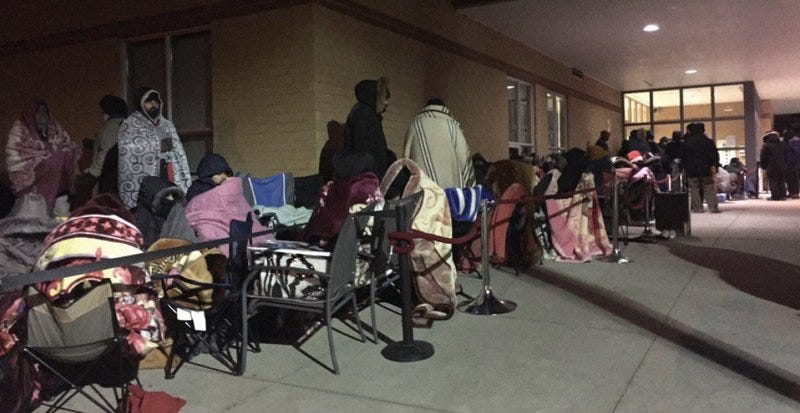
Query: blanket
(576, 225)
(434, 273)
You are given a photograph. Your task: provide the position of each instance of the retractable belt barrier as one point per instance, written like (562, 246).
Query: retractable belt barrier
(17, 281)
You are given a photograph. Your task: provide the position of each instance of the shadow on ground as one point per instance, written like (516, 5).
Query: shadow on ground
(765, 278)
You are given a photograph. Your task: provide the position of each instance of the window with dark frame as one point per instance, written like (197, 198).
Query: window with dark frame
(520, 136)
(556, 122)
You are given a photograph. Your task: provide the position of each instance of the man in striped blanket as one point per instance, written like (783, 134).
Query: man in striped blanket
(436, 143)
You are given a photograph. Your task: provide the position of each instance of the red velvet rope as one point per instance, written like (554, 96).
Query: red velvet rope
(408, 237)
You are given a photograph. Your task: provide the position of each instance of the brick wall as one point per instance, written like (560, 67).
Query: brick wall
(263, 92)
(347, 50)
(585, 121)
(70, 79)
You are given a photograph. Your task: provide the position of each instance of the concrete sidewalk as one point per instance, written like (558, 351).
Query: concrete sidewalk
(557, 351)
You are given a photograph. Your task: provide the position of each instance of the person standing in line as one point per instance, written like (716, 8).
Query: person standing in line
(365, 123)
(41, 157)
(434, 141)
(700, 159)
(773, 161)
(674, 151)
(149, 145)
(115, 110)
(602, 141)
(792, 141)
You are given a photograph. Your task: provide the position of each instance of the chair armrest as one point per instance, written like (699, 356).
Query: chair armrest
(293, 270)
(164, 277)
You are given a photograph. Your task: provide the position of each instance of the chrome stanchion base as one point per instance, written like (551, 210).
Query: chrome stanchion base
(487, 304)
(615, 257)
(407, 352)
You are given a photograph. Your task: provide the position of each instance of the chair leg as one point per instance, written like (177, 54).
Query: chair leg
(242, 359)
(330, 341)
(372, 294)
(358, 319)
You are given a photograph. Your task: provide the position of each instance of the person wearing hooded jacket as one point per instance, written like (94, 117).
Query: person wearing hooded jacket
(210, 213)
(773, 161)
(210, 173)
(149, 145)
(364, 123)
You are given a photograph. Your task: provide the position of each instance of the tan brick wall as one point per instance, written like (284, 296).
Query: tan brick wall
(439, 16)
(263, 96)
(71, 80)
(348, 50)
(585, 121)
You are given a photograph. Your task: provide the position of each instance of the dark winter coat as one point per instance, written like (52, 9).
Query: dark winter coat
(577, 164)
(793, 154)
(154, 206)
(773, 156)
(699, 154)
(364, 124)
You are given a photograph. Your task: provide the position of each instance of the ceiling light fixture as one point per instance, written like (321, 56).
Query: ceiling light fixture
(690, 71)
(651, 28)
(510, 87)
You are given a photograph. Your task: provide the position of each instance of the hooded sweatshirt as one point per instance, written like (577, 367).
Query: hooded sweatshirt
(149, 145)
(364, 123)
(211, 164)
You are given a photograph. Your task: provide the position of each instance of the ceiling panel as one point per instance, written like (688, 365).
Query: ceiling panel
(725, 40)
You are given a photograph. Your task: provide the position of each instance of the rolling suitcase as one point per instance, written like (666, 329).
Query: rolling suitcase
(672, 212)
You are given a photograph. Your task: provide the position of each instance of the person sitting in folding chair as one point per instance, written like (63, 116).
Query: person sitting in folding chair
(210, 211)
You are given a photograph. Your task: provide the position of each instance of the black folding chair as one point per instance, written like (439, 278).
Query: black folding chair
(338, 281)
(82, 345)
(214, 327)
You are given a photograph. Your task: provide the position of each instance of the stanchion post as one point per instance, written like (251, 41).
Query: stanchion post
(486, 303)
(408, 349)
(616, 256)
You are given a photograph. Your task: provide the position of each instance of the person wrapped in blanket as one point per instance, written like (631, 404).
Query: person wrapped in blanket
(102, 229)
(577, 230)
(217, 200)
(41, 156)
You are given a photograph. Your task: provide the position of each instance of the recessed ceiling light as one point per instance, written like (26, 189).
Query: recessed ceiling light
(510, 87)
(690, 71)
(651, 28)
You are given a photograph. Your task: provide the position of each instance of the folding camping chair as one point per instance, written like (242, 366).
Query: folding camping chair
(215, 326)
(82, 345)
(338, 280)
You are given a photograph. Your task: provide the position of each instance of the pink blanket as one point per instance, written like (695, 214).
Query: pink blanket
(576, 225)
